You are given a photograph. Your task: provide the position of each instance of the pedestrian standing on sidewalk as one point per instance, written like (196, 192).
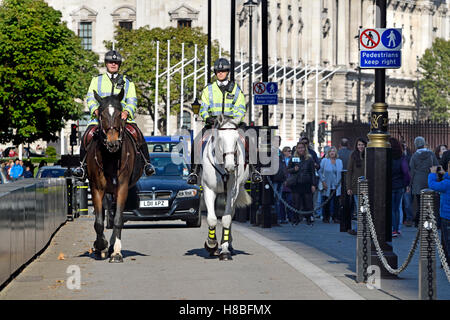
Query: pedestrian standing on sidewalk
(439, 151)
(344, 152)
(444, 188)
(302, 166)
(356, 168)
(419, 168)
(278, 180)
(285, 213)
(400, 181)
(330, 173)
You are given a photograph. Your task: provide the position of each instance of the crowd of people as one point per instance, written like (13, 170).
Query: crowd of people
(309, 182)
(18, 169)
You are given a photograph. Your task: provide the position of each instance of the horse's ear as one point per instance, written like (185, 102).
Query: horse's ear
(97, 97)
(121, 94)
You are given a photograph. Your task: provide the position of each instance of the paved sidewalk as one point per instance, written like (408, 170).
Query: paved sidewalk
(323, 245)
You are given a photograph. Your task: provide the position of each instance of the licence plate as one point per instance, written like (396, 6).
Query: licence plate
(154, 203)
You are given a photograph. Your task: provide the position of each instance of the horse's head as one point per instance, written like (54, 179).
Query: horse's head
(111, 124)
(227, 141)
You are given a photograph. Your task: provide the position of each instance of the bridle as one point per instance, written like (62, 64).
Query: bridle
(235, 152)
(103, 131)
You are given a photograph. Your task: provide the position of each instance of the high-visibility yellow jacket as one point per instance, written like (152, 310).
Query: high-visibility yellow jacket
(214, 102)
(104, 87)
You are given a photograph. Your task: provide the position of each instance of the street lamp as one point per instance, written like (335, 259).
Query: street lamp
(250, 4)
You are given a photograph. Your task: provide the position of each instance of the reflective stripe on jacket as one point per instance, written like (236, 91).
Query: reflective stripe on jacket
(103, 85)
(214, 102)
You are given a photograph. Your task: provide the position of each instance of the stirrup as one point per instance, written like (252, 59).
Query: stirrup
(149, 169)
(192, 178)
(79, 173)
(256, 177)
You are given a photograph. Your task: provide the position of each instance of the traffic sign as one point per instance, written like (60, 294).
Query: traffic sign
(380, 48)
(265, 93)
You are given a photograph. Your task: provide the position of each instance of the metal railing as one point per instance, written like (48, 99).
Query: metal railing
(427, 235)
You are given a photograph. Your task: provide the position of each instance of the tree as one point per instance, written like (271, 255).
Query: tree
(434, 84)
(43, 71)
(138, 48)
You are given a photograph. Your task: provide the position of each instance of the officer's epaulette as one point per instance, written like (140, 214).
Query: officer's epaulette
(128, 77)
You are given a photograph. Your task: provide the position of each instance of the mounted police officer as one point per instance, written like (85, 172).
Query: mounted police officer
(107, 84)
(222, 96)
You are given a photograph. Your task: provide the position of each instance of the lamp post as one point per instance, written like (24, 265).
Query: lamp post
(196, 109)
(250, 4)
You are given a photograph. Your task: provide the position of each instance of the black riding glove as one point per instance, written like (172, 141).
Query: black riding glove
(210, 121)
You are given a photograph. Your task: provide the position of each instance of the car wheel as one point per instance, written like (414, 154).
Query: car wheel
(195, 223)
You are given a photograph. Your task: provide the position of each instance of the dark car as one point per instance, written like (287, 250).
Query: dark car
(166, 194)
(51, 172)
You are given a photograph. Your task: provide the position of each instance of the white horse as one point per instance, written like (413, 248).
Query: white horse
(224, 172)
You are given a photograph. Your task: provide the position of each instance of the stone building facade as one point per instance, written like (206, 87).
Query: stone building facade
(313, 33)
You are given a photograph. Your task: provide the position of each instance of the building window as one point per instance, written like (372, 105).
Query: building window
(184, 23)
(128, 25)
(85, 33)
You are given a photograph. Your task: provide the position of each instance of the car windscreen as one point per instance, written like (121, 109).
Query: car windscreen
(53, 173)
(165, 166)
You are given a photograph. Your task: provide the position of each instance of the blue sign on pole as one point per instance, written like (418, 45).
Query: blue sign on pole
(380, 48)
(265, 93)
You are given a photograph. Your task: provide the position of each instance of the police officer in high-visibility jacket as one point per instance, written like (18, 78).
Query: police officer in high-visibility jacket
(222, 96)
(111, 83)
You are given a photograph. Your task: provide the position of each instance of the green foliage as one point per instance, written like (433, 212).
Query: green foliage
(435, 81)
(139, 50)
(50, 152)
(43, 69)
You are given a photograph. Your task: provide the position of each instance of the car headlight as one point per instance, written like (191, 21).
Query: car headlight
(187, 193)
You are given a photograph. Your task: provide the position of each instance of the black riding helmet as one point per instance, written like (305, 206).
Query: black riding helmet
(113, 56)
(222, 64)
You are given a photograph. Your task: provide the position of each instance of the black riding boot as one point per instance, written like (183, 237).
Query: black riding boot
(148, 168)
(81, 171)
(256, 176)
(193, 176)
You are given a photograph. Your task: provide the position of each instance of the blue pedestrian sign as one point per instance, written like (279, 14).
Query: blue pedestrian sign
(380, 48)
(265, 93)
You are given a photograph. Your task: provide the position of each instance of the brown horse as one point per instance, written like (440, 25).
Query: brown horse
(113, 166)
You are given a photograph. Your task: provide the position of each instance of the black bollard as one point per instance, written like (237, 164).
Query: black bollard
(427, 258)
(83, 196)
(69, 186)
(345, 216)
(363, 239)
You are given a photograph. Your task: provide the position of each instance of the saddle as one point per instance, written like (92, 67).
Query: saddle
(93, 132)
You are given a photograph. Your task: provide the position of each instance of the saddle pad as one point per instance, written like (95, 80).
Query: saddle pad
(133, 132)
(89, 135)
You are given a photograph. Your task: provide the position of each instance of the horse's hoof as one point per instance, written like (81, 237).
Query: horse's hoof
(212, 251)
(225, 256)
(101, 255)
(117, 258)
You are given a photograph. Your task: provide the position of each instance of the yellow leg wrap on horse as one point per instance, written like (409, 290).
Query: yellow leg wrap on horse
(212, 233)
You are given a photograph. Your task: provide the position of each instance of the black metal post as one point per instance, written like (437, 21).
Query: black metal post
(427, 257)
(232, 39)
(250, 61)
(209, 43)
(358, 98)
(378, 164)
(267, 195)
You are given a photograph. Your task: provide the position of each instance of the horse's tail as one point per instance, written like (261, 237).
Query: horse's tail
(243, 198)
